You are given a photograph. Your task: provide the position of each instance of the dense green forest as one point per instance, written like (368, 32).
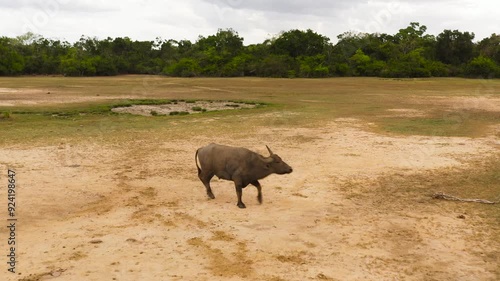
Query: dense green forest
(295, 53)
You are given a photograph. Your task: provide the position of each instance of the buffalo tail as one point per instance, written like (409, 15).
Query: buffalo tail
(196, 161)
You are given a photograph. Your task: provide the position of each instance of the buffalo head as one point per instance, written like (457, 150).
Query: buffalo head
(276, 165)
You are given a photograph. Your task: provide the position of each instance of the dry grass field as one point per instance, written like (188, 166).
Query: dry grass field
(107, 196)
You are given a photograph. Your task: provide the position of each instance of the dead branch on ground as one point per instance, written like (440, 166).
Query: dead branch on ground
(441, 195)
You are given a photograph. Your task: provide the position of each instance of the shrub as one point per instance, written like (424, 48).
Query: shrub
(179, 113)
(341, 69)
(481, 67)
(186, 67)
(321, 71)
(438, 69)
(5, 115)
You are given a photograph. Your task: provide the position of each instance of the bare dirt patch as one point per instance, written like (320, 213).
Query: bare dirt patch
(182, 107)
(150, 214)
(406, 112)
(32, 97)
(130, 206)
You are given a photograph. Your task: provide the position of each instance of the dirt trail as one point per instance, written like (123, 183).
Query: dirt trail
(95, 212)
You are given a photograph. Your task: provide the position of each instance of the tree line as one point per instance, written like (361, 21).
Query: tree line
(294, 53)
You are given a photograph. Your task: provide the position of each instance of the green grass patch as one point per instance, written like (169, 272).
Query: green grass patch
(86, 109)
(293, 102)
(458, 123)
(421, 126)
(5, 115)
(173, 113)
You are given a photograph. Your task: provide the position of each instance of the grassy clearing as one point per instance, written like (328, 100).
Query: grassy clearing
(463, 123)
(292, 102)
(87, 108)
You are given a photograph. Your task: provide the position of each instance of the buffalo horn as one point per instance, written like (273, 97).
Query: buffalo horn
(268, 149)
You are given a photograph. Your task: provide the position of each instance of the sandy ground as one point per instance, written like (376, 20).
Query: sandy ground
(94, 212)
(166, 109)
(29, 97)
(90, 211)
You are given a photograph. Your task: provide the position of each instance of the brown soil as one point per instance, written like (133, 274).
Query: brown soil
(111, 212)
(97, 211)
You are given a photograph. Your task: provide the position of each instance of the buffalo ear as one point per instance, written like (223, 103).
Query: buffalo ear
(268, 149)
(268, 160)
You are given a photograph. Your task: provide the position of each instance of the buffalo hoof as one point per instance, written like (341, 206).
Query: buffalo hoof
(241, 205)
(211, 195)
(259, 198)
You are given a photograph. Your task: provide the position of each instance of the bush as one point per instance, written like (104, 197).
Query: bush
(321, 71)
(179, 113)
(341, 69)
(438, 69)
(275, 66)
(5, 115)
(197, 108)
(481, 67)
(186, 67)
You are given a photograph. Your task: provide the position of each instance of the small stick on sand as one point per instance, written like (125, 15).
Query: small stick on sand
(441, 195)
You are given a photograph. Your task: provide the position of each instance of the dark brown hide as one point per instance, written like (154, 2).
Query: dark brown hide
(239, 165)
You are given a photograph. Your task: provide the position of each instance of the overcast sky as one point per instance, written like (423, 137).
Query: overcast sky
(255, 20)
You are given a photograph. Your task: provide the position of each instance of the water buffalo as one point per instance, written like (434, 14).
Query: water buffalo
(239, 165)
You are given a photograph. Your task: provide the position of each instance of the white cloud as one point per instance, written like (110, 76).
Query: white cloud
(254, 20)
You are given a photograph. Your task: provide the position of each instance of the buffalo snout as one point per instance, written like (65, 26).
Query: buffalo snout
(285, 170)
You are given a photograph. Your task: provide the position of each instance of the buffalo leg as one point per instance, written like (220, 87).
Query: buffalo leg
(259, 190)
(205, 179)
(239, 192)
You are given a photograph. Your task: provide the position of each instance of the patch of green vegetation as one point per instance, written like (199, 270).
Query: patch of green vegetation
(420, 126)
(87, 109)
(5, 115)
(179, 113)
(295, 103)
(142, 102)
(459, 123)
(198, 108)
